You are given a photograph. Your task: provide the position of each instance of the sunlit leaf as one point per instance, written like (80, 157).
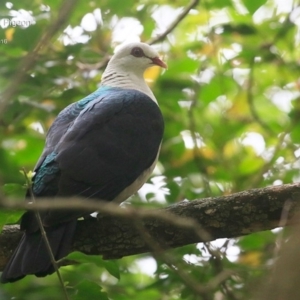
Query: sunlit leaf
(9, 33)
(251, 258)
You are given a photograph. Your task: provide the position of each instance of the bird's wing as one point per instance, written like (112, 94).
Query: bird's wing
(64, 120)
(110, 143)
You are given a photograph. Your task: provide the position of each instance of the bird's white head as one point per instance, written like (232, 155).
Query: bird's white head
(127, 66)
(137, 56)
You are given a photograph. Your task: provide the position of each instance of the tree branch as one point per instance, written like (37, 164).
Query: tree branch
(115, 235)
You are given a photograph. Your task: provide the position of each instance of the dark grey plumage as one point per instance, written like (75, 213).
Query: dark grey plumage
(95, 149)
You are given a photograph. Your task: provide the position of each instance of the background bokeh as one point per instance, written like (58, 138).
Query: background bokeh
(230, 99)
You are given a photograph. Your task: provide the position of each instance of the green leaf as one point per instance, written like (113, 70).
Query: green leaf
(111, 266)
(251, 165)
(253, 5)
(14, 190)
(89, 290)
(243, 29)
(9, 217)
(256, 241)
(218, 4)
(295, 134)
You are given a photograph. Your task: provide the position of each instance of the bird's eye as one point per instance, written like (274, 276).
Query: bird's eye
(137, 52)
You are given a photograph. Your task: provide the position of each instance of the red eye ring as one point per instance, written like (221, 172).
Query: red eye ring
(137, 52)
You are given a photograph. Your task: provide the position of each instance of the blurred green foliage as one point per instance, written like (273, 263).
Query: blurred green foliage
(230, 100)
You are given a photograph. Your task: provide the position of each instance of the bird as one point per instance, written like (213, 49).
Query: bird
(104, 146)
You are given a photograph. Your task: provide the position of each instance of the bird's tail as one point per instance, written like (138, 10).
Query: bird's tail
(31, 255)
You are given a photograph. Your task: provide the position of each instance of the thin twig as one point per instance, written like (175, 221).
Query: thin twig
(45, 107)
(258, 178)
(96, 66)
(217, 265)
(173, 25)
(45, 238)
(110, 208)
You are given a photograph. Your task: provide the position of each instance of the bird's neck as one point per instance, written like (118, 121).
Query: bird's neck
(126, 80)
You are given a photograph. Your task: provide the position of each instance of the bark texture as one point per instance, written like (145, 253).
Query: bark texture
(206, 219)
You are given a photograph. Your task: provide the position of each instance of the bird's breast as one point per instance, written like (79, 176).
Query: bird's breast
(137, 184)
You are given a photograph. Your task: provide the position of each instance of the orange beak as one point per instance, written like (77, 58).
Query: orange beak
(157, 61)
